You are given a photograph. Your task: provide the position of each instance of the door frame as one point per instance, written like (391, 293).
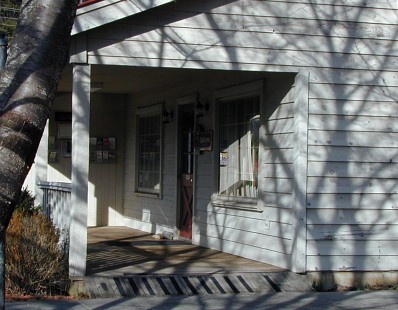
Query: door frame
(190, 99)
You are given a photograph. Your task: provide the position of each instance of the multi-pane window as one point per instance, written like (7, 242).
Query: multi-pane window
(149, 148)
(239, 122)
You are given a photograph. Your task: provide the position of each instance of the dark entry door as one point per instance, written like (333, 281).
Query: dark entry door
(186, 122)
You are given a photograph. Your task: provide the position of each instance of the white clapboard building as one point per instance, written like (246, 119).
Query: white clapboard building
(265, 129)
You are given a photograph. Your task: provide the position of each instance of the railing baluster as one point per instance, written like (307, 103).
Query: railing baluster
(56, 200)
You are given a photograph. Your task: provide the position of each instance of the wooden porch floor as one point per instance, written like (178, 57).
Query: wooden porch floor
(121, 251)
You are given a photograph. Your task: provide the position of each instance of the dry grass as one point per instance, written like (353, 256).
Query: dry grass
(35, 262)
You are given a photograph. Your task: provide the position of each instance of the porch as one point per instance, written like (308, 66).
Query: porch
(117, 251)
(108, 193)
(123, 262)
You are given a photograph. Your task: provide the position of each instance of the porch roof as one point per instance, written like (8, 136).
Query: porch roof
(103, 12)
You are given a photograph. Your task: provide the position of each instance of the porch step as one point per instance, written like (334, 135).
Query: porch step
(199, 284)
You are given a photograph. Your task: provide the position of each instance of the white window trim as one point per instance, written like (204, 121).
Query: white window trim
(235, 92)
(152, 110)
(234, 202)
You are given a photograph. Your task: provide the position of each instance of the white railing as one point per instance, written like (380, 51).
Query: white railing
(56, 205)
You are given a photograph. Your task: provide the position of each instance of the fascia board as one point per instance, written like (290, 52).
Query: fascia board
(108, 11)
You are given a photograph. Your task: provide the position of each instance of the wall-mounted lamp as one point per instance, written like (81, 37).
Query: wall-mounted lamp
(167, 117)
(201, 106)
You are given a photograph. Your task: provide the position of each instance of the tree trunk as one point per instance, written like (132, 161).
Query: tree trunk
(37, 55)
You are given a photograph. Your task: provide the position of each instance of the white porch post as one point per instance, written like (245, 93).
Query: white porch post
(300, 159)
(80, 166)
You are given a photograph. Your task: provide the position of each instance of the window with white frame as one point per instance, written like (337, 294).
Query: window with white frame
(238, 136)
(149, 153)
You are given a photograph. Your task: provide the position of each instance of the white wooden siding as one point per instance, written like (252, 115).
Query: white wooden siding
(105, 203)
(106, 180)
(260, 241)
(242, 249)
(352, 177)
(276, 175)
(352, 154)
(348, 200)
(360, 232)
(277, 141)
(352, 173)
(255, 32)
(350, 50)
(256, 40)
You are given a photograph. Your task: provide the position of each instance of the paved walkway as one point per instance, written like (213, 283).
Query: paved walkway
(278, 301)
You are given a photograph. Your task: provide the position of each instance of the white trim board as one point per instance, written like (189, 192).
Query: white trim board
(108, 11)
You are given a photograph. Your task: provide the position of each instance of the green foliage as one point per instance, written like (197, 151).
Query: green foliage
(26, 203)
(35, 262)
(9, 12)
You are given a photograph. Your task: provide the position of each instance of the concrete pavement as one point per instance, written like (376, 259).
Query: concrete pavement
(331, 300)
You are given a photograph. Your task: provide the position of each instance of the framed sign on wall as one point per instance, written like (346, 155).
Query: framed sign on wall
(204, 140)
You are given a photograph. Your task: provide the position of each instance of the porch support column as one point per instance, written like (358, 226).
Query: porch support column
(80, 167)
(300, 162)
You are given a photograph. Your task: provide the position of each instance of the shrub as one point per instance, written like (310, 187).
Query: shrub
(35, 262)
(26, 203)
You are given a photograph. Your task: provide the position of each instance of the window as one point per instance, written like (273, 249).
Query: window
(149, 153)
(239, 122)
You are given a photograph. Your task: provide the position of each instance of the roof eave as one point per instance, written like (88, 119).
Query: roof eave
(108, 11)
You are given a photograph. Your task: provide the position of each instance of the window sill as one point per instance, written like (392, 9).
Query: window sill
(147, 195)
(239, 203)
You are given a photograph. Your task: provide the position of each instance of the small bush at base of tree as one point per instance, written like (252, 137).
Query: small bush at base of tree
(35, 262)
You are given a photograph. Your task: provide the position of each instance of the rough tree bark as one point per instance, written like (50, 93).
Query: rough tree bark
(37, 55)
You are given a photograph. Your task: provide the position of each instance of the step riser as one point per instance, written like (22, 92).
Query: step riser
(186, 285)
